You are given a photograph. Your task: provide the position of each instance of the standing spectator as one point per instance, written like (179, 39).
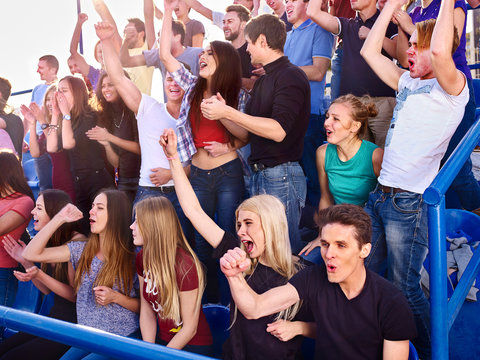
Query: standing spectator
(16, 203)
(309, 47)
(278, 7)
(357, 77)
(410, 163)
(117, 132)
(276, 118)
(195, 32)
(47, 68)
(11, 123)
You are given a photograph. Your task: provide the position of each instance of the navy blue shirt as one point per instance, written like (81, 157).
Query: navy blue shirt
(357, 76)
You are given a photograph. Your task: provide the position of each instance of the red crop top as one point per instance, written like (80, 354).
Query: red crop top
(207, 130)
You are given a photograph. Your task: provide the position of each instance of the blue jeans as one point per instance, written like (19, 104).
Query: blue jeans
(400, 246)
(144, 192)
(219, 192)
(8, 289)
(43, 167)
(286, 182)
(336, 72)
(314, 137)
(465, 185)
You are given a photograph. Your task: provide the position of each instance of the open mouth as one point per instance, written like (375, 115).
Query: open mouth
(331, 268)
(248, 245)
(328, 132)
(202, 64)
(92, 221)
(174, 91)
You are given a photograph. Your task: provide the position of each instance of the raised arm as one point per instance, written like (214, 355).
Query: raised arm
(125, 87)
(322, 18)
(251, 304)
(36, 251)
(447, 75)
(128, 60)
(29, 118)
(148, 14)
(102, 10)
(372, 48)
(201, 9)
(53, 131)
(186, 196)
(79, 59)
(171, 64)
(68, 138)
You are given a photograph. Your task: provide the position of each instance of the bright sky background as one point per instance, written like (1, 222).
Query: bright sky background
(32, 28)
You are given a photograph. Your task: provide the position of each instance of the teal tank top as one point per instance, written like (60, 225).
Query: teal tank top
(351, 181)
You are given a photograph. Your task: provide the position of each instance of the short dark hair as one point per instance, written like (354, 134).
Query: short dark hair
(178, 28)
(350, 215)
(5, 88)
(242, 12)
(269, 25)
(139, 25)
(51, 61)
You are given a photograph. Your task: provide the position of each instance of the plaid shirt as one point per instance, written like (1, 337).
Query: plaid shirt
(186, 80)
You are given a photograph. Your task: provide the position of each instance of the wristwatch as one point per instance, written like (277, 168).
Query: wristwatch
(67, 117)
(44, 126)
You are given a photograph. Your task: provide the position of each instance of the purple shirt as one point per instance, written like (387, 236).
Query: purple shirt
(431, 12)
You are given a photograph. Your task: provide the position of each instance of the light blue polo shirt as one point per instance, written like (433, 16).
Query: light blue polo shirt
(303, 44)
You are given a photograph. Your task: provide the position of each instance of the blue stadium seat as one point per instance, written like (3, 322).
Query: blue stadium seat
(218, 318)
(47, 304)
(476, 89)
(412, 355)
(28, 298)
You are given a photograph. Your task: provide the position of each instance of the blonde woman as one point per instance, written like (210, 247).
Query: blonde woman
(263, 233)
(105, 281)
(171, 279)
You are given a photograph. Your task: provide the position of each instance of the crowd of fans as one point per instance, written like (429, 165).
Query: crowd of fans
(140, 198)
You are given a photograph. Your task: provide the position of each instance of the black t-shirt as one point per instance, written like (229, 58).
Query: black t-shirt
(245, 61)
(249, 339)
(355, 328)
(129, 162)
(86, 156)
(15, 131)
(282, 94)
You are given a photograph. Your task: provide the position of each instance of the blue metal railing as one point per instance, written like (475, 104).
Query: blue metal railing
(443, 312)
(96, 341)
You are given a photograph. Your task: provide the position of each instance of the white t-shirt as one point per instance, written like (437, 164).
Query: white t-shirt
(423, 122)
(152, 119)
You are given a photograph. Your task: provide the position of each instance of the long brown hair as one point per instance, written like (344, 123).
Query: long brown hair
(162, 236)
(81, 106)
(12, 177)
(117, 249)
(54, 201)
(226, 80)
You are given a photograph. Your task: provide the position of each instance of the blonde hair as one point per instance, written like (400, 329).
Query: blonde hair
(162, 235)
(278, 253)
(425, 32)
(117, 248)
(361, 109)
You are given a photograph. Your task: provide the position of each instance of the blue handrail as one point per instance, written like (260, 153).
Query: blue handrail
(94, 340)
(442, 311)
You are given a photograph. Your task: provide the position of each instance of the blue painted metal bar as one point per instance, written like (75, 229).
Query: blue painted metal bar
(79, 10)
(88, 338)
(462, 288)
(438, 280)
(21, 92)
(445, 176)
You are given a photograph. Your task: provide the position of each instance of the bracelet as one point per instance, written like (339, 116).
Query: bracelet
(173, 157)
(51, 126)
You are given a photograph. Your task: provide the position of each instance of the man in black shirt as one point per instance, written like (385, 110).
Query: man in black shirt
(276, 117)
(358, 314)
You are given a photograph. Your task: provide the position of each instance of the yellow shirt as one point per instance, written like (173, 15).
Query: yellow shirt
(141, 75)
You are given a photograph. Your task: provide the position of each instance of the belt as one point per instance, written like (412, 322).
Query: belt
(258, 166)
(388, 189)
(163, 189)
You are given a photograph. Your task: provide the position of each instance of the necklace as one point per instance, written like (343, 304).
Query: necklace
(121, 120)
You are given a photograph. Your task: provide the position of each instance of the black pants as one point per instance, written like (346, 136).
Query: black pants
(23, 346)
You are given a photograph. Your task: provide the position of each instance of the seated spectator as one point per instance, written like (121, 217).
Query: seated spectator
(262, 231)
(117, 132)
(106, 285)
(50, 277)
(10, 122)
(436, 90)
(61, 172)
(194, 30)
(152, 118)
(343, 294)
(16, 203)
(171, 279)
(216, 172)
(75, 118)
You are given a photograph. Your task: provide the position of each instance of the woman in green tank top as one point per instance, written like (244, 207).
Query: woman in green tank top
(347, 166)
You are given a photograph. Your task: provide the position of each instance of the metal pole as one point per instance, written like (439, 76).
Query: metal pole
(79, 10)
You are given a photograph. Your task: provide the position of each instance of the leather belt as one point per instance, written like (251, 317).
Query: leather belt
(258, 167)
(388, 189)
(163, 189)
